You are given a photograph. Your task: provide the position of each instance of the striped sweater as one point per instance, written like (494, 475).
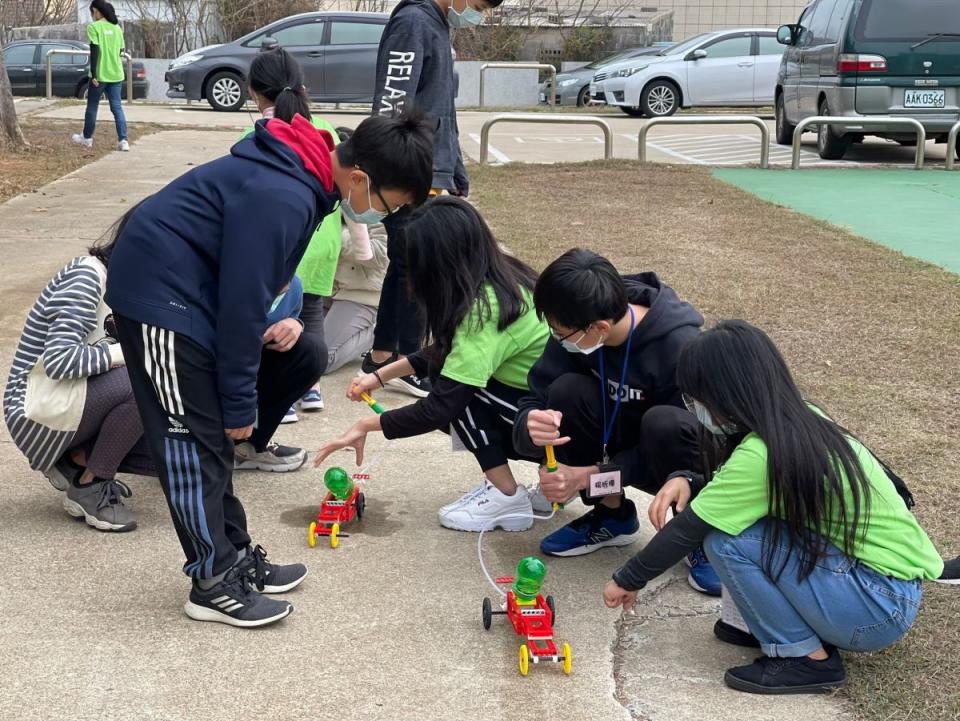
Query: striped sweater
(56, 336)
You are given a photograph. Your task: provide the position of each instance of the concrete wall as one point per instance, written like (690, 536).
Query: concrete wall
(503, 88)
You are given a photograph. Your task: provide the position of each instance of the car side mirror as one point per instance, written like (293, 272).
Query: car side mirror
(787, 34)
(698, 54)
(268, 44)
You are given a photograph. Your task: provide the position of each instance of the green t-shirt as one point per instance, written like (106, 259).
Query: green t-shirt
(319, 264)
(109, 38)
(894, 545)
(481, 352)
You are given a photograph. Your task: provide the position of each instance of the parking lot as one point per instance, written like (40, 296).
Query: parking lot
(734, 145)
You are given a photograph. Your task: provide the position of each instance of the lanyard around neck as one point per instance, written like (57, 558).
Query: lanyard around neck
(608, 428)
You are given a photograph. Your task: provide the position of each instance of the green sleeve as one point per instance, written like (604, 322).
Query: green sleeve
(93, 33)
(737, 496)
(477, 353)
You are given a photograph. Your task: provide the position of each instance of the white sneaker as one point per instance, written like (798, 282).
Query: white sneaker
(80, 140)
(491, 509)
(123, 146)
(465, 498)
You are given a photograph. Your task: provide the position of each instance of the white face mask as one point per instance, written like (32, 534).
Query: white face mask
(574, 347)
(468, 18)
(705, 417)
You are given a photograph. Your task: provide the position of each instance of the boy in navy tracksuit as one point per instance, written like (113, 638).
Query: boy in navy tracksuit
(191, 281)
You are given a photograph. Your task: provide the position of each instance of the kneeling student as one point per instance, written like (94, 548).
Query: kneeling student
(484, 336)
(801, 522)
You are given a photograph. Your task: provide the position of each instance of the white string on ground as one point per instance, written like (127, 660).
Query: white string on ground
(493, 522)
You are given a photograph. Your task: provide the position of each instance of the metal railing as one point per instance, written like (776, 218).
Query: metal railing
(523, 66)
(859, 123)
(546, 118)
(60, 51)
(952, 146)
(709, 120)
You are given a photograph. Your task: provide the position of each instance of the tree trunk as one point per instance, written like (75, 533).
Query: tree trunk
(9, 127)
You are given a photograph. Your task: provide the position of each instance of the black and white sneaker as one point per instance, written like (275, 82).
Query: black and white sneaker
(419, 387)
(274, 458)
(270, 577)
(235, 603)
(951, 572)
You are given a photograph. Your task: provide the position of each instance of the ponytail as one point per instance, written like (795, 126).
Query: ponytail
(105, 9)
(277, 76)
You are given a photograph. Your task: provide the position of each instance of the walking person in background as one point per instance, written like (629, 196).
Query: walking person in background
(68, 402)
(106, 73)
(415, 70)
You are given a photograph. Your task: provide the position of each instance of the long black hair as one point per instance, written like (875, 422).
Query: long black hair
(451, 256)
(736, 372)
(277, 76)
(105, 9)
(102, 250)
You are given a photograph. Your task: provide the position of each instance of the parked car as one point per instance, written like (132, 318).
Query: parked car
(726, 68)
(26, 62)
(858, 58)
(338, 52)
(573, 86)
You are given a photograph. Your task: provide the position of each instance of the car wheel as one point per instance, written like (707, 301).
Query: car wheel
(632, 112)
(82, 90)
(784, 129)
(361, 505)
(830, 145)
(583, 97)
(225, 92)
(487, 613)
(660, 99)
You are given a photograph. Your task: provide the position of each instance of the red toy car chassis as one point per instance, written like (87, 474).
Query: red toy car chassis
(334, 514)
(533, 622)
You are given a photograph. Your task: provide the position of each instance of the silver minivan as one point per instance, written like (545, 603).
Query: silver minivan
(857, 58)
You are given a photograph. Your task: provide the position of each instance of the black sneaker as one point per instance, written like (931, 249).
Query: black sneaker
(951, 572)
(64, 473)
(419, 387)
(235, 603)
(731, 634)
(789, 675)
(270, 577)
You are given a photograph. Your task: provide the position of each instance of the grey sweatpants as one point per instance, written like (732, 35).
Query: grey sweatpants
(348, 329)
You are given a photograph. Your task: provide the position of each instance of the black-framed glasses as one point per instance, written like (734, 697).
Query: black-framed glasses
(376, 190)
(560, 338)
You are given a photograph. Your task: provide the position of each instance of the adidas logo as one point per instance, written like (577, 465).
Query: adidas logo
(176, 426)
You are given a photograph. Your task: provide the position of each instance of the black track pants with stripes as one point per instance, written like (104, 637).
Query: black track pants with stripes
(174, 381)
(486, 425)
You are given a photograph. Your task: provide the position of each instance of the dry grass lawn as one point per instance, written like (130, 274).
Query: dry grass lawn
(871, 334)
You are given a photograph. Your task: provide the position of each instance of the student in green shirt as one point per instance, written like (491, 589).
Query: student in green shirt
(801, 522)
(482, 337)
(106, 73)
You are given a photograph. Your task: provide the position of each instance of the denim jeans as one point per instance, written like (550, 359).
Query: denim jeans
(94, 93)
(843, 602)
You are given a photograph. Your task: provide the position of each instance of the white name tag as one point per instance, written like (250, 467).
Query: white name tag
(605, 483)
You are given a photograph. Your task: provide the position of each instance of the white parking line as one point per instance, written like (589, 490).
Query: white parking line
(492, 150)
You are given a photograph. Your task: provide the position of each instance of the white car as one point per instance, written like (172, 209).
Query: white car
(727, 68)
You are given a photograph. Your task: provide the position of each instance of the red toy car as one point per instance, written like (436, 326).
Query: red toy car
(334, 513)
(534, 622)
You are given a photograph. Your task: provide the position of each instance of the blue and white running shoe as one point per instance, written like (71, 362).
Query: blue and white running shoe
(702, 577)
(593, 531)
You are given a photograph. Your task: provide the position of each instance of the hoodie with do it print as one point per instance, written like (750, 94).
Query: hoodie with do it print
(415, 71)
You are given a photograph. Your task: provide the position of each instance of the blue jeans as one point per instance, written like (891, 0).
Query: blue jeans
(842, 603)
(94, 93)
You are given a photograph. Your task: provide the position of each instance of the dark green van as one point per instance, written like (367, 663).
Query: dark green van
(858, 58)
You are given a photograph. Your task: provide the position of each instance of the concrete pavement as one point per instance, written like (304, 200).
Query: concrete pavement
(551, 143)
(387, 626)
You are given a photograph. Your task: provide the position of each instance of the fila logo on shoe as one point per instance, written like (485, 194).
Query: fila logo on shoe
(176, 426)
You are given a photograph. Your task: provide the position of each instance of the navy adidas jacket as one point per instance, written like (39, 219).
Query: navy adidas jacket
(206, 255)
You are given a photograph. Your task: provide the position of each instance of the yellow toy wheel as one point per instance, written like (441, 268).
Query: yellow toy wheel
(312, 538)
(334, 535)
(567, 659)
(524, 660)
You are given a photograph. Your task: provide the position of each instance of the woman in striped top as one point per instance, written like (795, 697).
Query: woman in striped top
(68, 402)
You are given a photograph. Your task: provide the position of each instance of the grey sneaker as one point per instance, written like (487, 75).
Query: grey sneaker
(63, 473)
(235, 603)
(275, 458)
(270, 577)
(100, 504)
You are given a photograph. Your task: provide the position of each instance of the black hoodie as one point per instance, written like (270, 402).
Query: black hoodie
(415, 70)
(651, 372)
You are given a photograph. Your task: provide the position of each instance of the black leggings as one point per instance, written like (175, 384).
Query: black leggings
(398, 326)
(486, 425)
